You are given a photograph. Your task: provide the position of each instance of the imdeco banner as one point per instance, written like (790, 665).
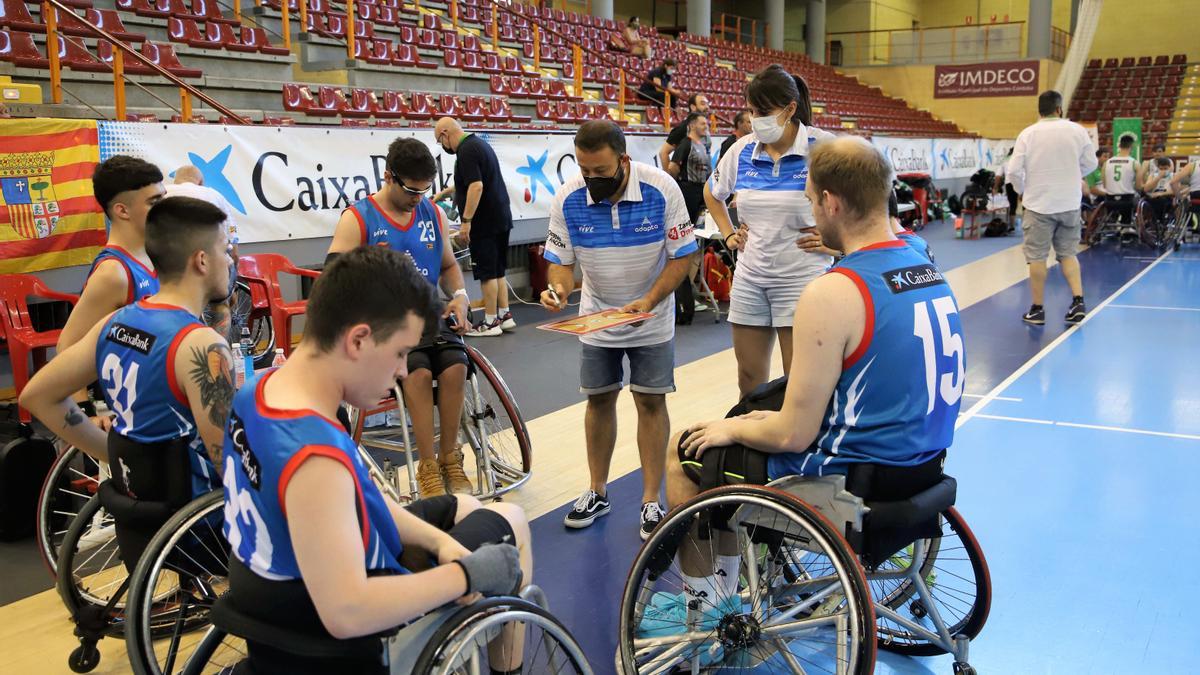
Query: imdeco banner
(1003, 78)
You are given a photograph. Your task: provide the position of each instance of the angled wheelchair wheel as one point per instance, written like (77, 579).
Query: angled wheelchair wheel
(801, 602)
(957, 590)
(1094, 227)
(504, 634)
(184, 568)
(493, 426)
(216, 652)
(72, 481)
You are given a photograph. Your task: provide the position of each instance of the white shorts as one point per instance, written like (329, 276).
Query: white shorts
(755, 304)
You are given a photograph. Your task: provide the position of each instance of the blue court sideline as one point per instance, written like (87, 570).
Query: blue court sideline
(1085, 529)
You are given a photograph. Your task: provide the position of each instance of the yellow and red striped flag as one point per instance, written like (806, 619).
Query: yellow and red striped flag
(48, 215)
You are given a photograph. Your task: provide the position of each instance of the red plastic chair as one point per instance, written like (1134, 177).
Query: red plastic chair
(18, 332)
(261, 272)
(19, 48)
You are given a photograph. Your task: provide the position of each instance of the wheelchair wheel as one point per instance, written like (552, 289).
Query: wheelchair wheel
(1149, 230)
(72, 481)
(1094, 227)
(960, 587)
(183, 570)
(802, 604)
(91, 571)
(461, 644)
(216, 652)
(493, 426)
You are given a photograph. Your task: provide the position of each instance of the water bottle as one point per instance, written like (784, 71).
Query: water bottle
(239, 367)
(279, 358)
(247, 352)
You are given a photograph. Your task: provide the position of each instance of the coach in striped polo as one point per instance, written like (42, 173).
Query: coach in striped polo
(626, 226)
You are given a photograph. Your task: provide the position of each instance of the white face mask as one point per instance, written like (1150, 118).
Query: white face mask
(767, 129)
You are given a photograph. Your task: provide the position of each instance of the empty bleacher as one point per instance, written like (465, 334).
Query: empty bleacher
(411, 63)
(1145, 87)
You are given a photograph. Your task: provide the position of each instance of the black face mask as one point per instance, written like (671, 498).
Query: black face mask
(449, 150)
(603, 187)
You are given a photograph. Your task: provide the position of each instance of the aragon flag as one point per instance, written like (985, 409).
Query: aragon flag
(48, 215)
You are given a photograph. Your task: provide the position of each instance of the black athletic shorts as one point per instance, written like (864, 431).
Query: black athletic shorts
(733, 464)
(438, 352)
(479, 528)
(489, 254)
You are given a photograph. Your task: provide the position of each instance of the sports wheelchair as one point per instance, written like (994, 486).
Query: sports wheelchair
(448, 640)
(1103, 221)
(1187, 219)
(830, 569)
(491, 425)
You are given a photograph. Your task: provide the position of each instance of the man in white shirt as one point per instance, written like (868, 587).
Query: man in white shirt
(1047, 166)
(189, 182)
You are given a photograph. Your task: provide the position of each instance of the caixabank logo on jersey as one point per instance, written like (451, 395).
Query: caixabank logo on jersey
(135, 339)
(250, 465)
(913, 278)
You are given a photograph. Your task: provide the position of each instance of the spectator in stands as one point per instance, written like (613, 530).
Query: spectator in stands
(697, 103)
(691, 166)
(637, 45)
(1093, 183)
(657, 81)
(441, 354)
(1049, 161)
(189, 182)
(1157, 186)
(482, 201)
(633, 269)
(768, 170)
(1120, 182)
(741, 127)
(126, 188)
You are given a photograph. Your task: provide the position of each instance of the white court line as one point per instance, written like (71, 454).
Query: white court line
(1097, 427)
(1025, 367)
(1158, 307)
(995, 398)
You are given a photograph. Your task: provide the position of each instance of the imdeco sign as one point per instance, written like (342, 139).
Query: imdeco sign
(1006, 78)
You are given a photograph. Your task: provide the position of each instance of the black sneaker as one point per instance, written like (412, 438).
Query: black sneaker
(652, 515)
(1078, 310)
(1035, 316)
(588, 508)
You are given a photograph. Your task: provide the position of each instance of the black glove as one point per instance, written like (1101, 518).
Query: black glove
(494, 569)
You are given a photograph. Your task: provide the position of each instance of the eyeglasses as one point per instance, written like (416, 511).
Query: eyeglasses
(411, 191)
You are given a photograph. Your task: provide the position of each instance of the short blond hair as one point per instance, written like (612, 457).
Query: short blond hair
(854, 170)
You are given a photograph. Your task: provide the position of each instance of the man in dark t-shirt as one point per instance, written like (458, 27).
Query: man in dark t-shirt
(697, 103)
(657, 80)
(481, 198)
(741, 127)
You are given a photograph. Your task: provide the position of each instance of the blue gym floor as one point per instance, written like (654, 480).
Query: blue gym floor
(1073, 459)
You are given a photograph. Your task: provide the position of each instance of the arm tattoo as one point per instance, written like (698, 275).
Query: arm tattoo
(74, 416)
(212, 373)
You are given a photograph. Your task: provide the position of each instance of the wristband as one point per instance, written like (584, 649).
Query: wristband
(463, 293)
(726, 240)
(466, 575)
(88, 408)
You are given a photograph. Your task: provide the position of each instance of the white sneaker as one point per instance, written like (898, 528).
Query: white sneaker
(482, 329)
(701, 307)
(506, 322)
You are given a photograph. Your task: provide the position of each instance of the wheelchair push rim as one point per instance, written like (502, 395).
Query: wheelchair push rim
(98, 574)
(955, 579)
(496, 431)
(72, 481)
(165, 613)
(817, 619)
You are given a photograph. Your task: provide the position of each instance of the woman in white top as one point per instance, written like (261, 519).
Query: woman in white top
(768, 171)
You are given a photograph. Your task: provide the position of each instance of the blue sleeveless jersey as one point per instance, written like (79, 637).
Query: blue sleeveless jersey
(897, 399)
(263, 448)
(916, 242)
(143, 281)
(135, 357)
(420, 237)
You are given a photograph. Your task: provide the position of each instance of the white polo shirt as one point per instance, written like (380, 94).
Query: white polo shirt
(622, 248)
(771, 201)
(205, 193)
(1049, 160)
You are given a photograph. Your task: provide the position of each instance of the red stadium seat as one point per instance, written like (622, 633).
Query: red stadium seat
(373, 50)
(296, 98)
(257, 37)
(164, 55)
(522, 88)
(104, 51)
(452, 59)
(393, 105)
(15, 16)
(499, 85)
(109, 20)
(19, 49)
(427, 38)
(141, 8)
(69, 23)
(450, 105)
(471, 62)
(491, 63)
(1179, 59)
(475, 109)
(187, 32)
(223, 33)
(545, 110)
(210, 11)
(330, 101)
(73, 54)
(362, 103)
(421, 107)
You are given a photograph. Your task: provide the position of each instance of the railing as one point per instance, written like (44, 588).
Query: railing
(945, 44)
(732, 28)
(120, 52)
(1060, 42)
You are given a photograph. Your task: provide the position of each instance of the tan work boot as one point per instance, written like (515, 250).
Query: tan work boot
(452, 472)
(429, 479)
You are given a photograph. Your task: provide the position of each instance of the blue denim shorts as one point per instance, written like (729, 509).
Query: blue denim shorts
(651, 369)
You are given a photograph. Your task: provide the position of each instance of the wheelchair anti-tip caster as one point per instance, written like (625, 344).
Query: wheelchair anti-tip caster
(84, 658)
(961, 668)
